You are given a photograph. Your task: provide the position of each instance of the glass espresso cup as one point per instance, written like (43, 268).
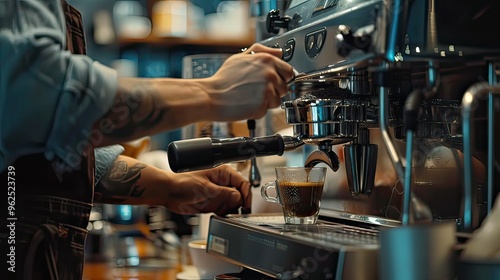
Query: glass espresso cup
(298, 191)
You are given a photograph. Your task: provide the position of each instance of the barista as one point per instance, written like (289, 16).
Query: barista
(57, 106)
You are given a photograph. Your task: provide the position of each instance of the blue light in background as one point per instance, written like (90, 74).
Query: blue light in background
(125, 212)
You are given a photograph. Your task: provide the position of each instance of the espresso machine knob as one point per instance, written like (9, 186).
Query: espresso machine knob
(275, 22)
(347, 41)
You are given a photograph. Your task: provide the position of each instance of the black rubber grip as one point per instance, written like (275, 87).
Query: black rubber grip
(204, 153)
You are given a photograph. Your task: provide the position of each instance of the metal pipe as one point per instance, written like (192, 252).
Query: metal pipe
(405, 220)
(469, 101)
(384, 130)
(492, 79)
(412, 105)
(404, 173)
(410, 116)
(394, 31)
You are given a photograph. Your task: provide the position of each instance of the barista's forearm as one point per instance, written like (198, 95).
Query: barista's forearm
(130, 181)
(148, 106)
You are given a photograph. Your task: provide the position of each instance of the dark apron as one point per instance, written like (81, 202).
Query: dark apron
(52, 207)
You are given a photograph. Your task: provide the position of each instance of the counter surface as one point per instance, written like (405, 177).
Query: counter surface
(106, 271)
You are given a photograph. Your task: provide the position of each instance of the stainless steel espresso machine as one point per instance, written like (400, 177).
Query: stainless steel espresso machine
(408, 90)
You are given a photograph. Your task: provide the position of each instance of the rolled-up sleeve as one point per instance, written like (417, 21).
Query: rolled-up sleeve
(49, 98)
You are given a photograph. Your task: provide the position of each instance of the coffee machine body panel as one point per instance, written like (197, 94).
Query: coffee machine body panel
(332, 35)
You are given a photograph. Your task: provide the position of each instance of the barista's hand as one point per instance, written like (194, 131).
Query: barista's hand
(248, 84)
(221, 190)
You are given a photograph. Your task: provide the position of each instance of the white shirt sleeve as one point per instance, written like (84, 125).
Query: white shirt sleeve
(49, 98)
(104, 158)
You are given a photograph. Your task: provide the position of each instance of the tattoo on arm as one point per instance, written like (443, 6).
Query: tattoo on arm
(132, 112)
(120, 183)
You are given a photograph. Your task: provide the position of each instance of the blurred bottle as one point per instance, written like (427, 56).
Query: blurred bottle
(177, 19)
(130, 20)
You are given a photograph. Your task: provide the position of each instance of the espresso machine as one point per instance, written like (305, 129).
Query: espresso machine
(408, 90)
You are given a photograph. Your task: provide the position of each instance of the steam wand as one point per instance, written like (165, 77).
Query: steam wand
(411, 107)
(254, 174)
(421, 211)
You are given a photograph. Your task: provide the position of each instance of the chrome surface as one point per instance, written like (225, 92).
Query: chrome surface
(384, 129)
(492, 80)
(308, 109)
(405, 208)
(424, 251)
(360, 164)
(325, 111)
(336, 133)
(324, 154)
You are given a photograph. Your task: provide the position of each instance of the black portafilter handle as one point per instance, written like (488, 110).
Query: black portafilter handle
(205, 153)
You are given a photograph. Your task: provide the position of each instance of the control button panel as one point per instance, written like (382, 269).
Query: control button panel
(314, 42)
(288, 50)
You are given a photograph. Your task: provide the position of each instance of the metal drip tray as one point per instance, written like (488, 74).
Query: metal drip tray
(320, 232)
(325, 250)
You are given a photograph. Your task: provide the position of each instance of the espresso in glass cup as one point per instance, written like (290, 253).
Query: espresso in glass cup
(298, 191)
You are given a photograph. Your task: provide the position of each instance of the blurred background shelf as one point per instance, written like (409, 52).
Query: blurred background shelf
(234, 44)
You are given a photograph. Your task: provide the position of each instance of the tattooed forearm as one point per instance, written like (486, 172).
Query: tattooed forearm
(133, 112)
(120, 183)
